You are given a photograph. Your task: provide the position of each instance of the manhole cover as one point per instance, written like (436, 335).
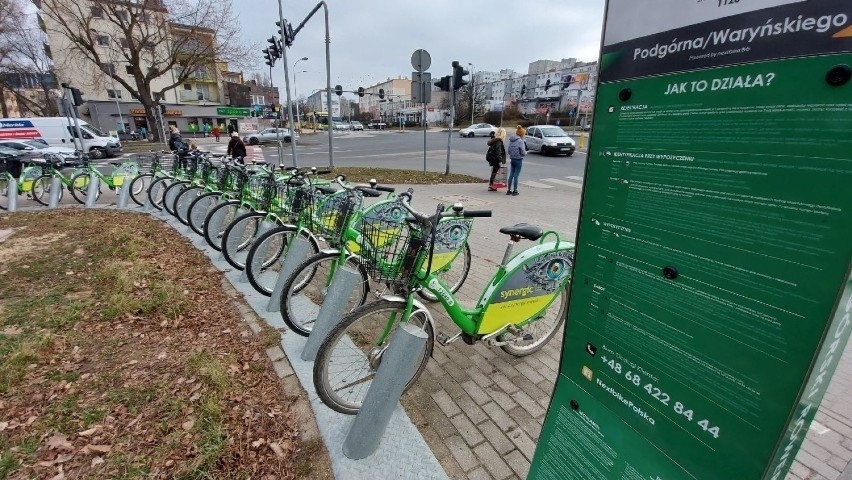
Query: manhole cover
(469, 202)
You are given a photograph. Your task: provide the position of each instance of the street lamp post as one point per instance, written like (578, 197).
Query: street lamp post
(296, 91)
(472, 89)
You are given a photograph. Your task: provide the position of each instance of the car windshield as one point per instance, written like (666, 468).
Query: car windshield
(34, 144)
(553, 132)
(93, 131)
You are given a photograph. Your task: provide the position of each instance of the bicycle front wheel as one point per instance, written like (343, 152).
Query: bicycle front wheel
(218, 220)
(80, 187)
(454, 276)
(542, 329)
(306, 288)
(139, 187)
(349, 357)
(171, 194)
(157, 191)
(238, 237)
(41, 189)
(264, 259)
(200, 208)
(183, 201)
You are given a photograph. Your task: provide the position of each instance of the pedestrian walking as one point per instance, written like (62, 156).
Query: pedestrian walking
(216, 132)
(143, 131)
(236, 148)
(517, 152)
(496, 155)
(230, 129)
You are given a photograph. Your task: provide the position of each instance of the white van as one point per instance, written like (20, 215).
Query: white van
(56, 132)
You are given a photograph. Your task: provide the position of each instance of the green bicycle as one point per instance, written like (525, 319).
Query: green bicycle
(520, 310)
(25, 181)
(50, 169)
(122, 172)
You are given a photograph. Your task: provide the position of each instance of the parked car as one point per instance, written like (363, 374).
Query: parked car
(268, 135)
(37, 149)
(478, 129)
(340, 126)
(378, 125)
(549, 140)
(56, 132)
(356, 125)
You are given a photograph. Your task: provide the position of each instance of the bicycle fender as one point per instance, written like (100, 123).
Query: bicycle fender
(418, 307)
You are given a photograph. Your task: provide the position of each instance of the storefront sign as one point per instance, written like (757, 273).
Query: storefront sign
(233, 112)
(711, 292)
(137, 111)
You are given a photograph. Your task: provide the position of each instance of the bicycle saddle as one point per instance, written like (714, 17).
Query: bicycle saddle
(260, 162)
(524, 230)
(325, 190)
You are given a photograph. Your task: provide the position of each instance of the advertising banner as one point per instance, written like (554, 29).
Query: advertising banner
(711, 290)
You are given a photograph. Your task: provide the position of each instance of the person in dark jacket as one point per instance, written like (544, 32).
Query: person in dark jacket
(236, 148)
(176, 142)
(496, 155)
(517, 152)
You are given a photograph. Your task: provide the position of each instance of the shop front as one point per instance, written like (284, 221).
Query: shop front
(191, 120)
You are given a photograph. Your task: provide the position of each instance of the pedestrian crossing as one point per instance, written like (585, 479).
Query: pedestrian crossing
(571, 181)
(253, 152)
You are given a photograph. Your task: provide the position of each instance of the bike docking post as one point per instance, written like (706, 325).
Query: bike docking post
(332, 310)
(264, 226)
(124, 193)
(296, 253)
(12, 193)
(147, 206)
(92, 190)
(396, 369)
(55, 190)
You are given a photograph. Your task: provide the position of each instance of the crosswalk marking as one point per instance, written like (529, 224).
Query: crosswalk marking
(563, 182)
(530, 183)
(574, 177)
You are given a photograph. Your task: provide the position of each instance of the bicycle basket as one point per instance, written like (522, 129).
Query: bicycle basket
(332, 212)
(234, 180)
(260, 190)
(164, 163)
(389, 250)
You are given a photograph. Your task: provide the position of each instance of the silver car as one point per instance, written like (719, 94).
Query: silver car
(478, 130)
(549, 140)
(268, 135)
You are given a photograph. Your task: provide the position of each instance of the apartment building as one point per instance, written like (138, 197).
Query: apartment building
(209, 95)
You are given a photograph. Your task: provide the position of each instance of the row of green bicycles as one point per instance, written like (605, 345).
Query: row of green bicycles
(406, 262)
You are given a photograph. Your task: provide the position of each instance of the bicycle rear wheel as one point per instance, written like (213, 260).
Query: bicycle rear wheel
(454, 276)
(41, 189)
(349, 357)
(80, 187)
(139, 187)
(542, 328)
(238, 237)
(199, 208)
(306, 288)
(157, 190)
(265, 257)
(218, 220)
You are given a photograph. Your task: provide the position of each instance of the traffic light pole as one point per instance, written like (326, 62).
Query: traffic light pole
(452, 116)
(423, 121)
(287, 87)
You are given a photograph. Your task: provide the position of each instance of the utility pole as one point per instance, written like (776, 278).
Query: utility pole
(452, 115)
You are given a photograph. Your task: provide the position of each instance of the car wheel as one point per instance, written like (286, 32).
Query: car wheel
(470, 135)
(97, 153)
(253, 141)
(569, 154)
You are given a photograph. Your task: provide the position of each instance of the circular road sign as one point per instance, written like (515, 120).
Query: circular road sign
(420, 60)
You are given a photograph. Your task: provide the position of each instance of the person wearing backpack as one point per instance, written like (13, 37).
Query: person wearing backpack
(496, 155)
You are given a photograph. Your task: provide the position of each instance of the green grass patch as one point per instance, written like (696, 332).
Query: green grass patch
(389, 176)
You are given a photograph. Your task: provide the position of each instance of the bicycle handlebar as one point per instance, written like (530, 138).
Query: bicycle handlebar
(382, 188)
(477, 213)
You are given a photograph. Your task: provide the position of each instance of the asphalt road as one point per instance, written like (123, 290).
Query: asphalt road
(392, 149)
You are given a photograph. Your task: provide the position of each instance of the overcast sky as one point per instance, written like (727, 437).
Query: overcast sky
(372, 40)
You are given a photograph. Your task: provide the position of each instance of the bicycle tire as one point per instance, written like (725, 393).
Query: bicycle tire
(41, 186)
(80, 187)
(337, 339)
(549, 331)
(446, 275)
(262, 262)
(301, 297)
(139, 187)
(235, 248)
(4, 192)
(182, 202)
(171, 194)
(199, 208)
(157, 190)
(218, 219)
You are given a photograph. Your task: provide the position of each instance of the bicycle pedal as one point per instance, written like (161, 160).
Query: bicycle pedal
(445, 339)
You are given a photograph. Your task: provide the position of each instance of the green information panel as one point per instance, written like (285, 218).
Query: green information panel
(232, 112)
(711, 298)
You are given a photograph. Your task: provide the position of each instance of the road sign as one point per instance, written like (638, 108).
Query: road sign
(712, 291)
(421, 87)
(420, 60)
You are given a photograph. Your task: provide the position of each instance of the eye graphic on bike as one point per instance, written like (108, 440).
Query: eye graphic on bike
(555, 269)
(396, 214)
(456, 233)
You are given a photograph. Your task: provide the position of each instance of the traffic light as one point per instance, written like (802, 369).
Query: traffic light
(338, 90)
(274, 48)
(286, 32)
(547, 86)
(77, 95)
(444, 83)
(382, 93)
(458, 75)
(523, 90)
(270, 60)
(360, 91)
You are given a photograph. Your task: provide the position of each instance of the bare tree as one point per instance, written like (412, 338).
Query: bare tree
(261, 79)
(25, 66)
(467, 97)
(159, 43)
